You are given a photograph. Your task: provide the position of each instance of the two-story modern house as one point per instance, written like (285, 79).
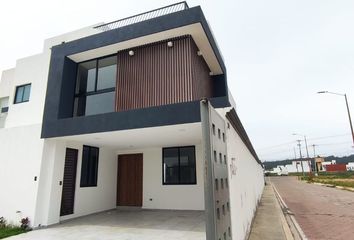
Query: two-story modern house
(133, 113)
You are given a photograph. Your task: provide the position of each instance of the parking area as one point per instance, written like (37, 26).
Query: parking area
(322, 212)
(126, 225)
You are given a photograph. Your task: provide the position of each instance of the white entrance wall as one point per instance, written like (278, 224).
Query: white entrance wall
(103, 197)
(159, 196)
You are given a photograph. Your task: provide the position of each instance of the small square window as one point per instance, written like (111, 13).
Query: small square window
(4, 109)
(179, 165)
(22, 93)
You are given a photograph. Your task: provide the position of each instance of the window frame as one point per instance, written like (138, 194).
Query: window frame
(179, 166)
(95, 91)
(16, 92)
(86, 184)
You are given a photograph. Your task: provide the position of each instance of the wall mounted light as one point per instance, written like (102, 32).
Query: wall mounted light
(170, 44)
(199, 53)
(131, 53)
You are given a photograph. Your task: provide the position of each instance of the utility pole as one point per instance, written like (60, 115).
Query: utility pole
(297, 169)
(314, 158)
(302, 166)
(347, 104)
(350, 119)
(308, 156)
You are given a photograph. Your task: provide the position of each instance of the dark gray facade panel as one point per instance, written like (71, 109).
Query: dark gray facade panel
(57, 118)
(67, 89)
(139, 118)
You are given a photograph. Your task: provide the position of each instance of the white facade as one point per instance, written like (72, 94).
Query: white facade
(32, 168)
(350, 166)
(298, 166)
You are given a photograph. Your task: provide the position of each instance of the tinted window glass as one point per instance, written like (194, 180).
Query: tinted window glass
(107, 70)
(179, 165)
(187, 165)
(26, 92)
(19, 94)
(86, 78)
(22, 93)
(89, 166)
(171, 165)
(100, 103)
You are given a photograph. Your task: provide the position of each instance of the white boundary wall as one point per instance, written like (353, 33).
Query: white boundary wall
(246, 182)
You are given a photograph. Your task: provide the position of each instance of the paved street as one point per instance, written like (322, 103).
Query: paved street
(322, 212)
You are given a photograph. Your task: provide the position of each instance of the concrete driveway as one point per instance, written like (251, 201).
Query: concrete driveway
(126, 225)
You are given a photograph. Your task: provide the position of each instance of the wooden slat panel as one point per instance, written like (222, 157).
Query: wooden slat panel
(159, 75)
(69, 182)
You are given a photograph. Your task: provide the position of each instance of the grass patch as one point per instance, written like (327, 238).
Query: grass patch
(10, 231)
(343, 179)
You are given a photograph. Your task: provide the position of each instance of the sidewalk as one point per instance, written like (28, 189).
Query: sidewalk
(269, 222)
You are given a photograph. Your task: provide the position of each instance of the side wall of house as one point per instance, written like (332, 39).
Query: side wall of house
(246, 184)
(21, 152)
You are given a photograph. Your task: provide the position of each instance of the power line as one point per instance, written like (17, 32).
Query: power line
(292, 142)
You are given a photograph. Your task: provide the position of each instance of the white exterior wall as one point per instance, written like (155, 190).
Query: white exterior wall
(32, 70)
(21, 151)
(246, 182)
(180, 197)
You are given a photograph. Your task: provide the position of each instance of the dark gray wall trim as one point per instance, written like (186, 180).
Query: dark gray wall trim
(237, 125)
(139, 118)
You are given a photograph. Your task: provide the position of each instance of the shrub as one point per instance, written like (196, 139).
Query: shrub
(2, 222)
(25, 223)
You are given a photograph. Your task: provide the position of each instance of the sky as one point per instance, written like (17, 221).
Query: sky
(278, 54)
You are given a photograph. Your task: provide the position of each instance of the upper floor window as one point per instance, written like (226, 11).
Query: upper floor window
(95, 87)
(22, 93)
(179, 165)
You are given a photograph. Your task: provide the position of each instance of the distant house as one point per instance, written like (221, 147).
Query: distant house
(137, 113)
(350, 166)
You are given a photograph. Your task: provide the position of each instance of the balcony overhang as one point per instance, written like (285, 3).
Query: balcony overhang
(195, 30)
(187, 22)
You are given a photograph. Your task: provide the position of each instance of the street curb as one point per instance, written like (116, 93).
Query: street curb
(289, 217)
(334, 186)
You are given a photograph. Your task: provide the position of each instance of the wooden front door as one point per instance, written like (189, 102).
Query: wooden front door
(69, 181)
(130, 180)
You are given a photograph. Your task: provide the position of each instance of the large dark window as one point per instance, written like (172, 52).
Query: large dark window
(89, 166)
(22, 93)
(179, 165)
(95, 87)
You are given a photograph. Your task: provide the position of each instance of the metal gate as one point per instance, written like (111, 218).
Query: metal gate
(216, 182)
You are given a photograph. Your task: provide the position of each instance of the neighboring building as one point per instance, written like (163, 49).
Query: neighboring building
(339, 167)
(350, 166)
(298, 166)
(295, 167)
(319, 161)
(110, 115)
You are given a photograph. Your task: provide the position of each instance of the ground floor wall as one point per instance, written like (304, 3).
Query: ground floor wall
(103, 196)
(159, 196)
(21, 151)
(246, 184)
